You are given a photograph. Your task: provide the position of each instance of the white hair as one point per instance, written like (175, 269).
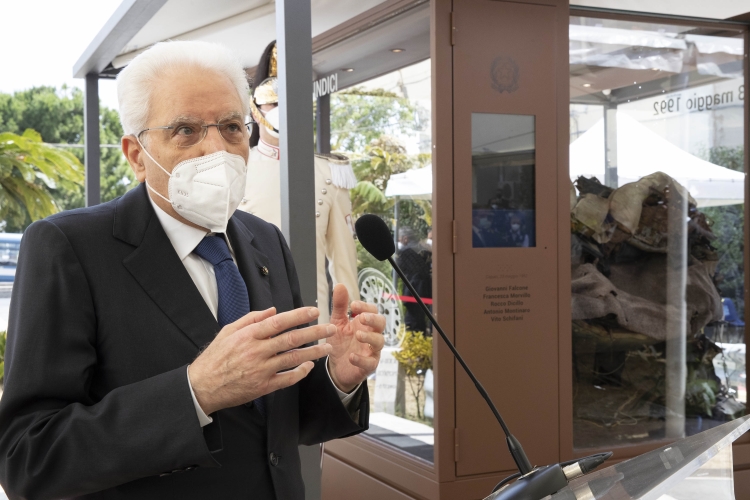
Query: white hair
(136, 82)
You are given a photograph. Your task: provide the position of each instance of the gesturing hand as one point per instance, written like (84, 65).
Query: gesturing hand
(357, 343)
(244, 360)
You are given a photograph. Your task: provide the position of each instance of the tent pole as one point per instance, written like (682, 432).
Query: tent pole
(323, 124)
(610, 145)
(92, 153)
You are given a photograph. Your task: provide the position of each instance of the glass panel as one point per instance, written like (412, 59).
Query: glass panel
(695, 468)
(384, 126)
(657, 223)
(503, 199)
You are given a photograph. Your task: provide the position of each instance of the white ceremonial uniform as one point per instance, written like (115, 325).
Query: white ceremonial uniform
(333, 207)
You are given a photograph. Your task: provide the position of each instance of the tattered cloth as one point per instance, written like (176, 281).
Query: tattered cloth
(636, 295)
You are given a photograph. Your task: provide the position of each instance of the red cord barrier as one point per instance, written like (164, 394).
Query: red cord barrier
(406, 298)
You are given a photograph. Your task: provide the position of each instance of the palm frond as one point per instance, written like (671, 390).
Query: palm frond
(29, 169)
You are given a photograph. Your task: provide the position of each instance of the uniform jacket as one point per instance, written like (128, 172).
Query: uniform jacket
(334, 227)
(104, 320)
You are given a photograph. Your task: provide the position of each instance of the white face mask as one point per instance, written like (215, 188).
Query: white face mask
(515, 227)
(429, 241)
(274, 119)
(206, 190)
(400, 246)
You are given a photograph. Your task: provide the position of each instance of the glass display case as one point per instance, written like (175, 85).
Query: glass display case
(390, 153)
(588, 188)
(657, 189)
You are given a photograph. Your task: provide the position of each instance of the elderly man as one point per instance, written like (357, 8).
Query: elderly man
(157, 344)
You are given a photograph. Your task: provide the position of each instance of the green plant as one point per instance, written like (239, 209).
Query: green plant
(700, 396)
(416, 358)
(385, 157)
(29, 172)
(57, 114)
(359, 116)
(728, 225)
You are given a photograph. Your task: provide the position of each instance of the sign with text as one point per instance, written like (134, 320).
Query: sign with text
(326, 85)
(386, 381)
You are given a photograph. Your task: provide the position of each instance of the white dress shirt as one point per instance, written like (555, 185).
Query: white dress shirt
(184, 239)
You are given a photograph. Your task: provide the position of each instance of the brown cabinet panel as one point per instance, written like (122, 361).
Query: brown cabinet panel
(342, 481)
(506, 299)
(742, 485)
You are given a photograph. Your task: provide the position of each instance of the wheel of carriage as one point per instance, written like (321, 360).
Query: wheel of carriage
(377, 288)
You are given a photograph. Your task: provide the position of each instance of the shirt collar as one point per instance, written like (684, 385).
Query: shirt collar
(184, 238)
(267, 150)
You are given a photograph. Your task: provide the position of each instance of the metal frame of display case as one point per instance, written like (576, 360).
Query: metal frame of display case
(387, 464)
(397, 470)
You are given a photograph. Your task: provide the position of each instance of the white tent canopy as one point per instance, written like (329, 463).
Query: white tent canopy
(415, 184)
(641, 152)
(357, 35)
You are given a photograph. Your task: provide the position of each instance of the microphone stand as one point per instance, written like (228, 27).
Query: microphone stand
(516, 450)
(533, 483)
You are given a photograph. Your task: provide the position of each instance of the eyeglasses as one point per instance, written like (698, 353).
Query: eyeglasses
(188, 133)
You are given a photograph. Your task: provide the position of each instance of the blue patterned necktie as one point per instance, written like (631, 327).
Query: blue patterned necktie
(234, 301)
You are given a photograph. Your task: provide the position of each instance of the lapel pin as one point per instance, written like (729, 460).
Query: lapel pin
(264, 271)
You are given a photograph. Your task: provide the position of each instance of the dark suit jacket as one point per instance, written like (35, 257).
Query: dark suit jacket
(104, 320)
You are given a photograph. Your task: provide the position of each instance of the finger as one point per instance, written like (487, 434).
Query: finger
(284, 321)
(358, 307)
(248, 319)
(375, 339)
(340, 302)
(367, 363)
(296, 357)
(374, 322)
(291, 377)
(298, 337)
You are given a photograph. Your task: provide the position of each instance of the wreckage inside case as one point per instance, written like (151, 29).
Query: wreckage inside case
(643, 257)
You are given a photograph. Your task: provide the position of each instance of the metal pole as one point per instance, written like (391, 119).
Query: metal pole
(323, 124)
(396, 201)
(91, 140)
(294, 46)
(610, 146)
(676, 331)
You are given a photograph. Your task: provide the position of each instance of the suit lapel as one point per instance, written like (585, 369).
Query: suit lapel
(158, 269)
(251, 263)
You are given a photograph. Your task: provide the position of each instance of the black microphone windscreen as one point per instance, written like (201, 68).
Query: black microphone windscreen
(375, 236)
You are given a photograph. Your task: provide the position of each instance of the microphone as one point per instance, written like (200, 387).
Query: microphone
(533, 483)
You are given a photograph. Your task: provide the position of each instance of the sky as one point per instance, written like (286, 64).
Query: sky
(43, 39)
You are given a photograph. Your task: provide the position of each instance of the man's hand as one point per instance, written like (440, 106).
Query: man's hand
(357, 342)
(244, 360)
